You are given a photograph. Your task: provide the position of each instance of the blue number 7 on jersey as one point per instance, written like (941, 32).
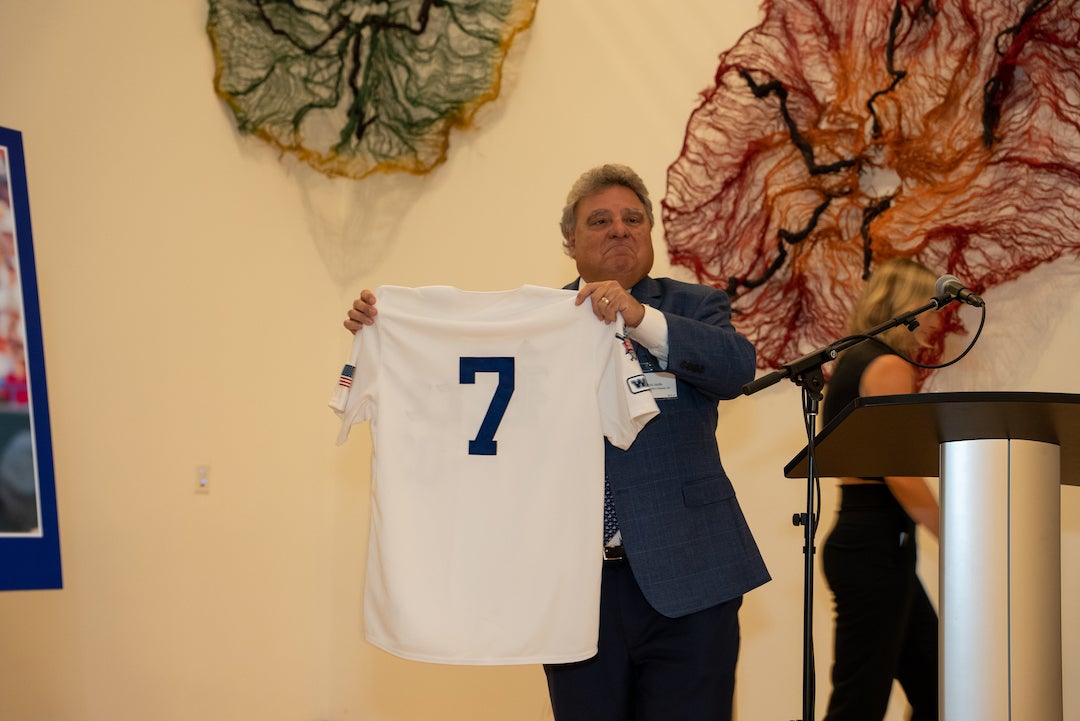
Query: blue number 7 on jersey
(485, 444)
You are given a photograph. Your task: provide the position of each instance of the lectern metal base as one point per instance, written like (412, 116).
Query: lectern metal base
(1000, 585)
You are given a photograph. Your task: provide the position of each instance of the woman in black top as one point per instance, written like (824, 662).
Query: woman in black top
(886, 626)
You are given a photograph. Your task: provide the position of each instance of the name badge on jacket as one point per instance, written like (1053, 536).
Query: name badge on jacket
(662, 385)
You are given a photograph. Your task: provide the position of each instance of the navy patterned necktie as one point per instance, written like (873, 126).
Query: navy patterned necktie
(611, 521)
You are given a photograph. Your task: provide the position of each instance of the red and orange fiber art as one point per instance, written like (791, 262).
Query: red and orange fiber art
(839, 134)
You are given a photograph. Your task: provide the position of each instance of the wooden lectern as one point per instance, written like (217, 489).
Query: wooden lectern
(1001, 458)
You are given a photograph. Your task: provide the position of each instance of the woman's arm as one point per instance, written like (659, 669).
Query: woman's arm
(892, 375)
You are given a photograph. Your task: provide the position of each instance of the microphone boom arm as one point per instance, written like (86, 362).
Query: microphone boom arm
(806, 371)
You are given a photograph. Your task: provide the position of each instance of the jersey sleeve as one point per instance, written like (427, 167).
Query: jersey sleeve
(626, 403)
(351, 400)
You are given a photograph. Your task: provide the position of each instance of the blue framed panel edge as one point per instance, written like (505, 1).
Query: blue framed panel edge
(31, 561)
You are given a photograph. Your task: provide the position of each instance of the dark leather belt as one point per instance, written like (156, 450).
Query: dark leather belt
(614, 553)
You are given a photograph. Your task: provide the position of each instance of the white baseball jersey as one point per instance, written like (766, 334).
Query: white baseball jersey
(488, 412)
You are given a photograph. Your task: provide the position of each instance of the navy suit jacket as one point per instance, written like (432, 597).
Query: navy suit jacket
(685, 535)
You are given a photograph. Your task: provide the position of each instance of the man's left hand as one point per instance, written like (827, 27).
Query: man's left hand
(609, 298)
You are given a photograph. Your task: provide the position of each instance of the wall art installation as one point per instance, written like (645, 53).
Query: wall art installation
(839, 133)
(358, 86)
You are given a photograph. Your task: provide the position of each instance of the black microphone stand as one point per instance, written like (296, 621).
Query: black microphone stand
(806, 372)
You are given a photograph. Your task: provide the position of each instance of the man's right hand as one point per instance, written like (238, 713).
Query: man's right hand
(362, 312)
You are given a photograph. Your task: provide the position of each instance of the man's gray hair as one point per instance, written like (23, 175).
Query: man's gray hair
(595, 180)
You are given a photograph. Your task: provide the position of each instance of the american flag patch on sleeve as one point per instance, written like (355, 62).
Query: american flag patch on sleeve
(345, 380)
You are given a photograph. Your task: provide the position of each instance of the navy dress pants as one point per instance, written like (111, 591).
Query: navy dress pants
(650, 667)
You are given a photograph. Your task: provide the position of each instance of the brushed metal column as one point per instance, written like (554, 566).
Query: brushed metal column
(1000, 586)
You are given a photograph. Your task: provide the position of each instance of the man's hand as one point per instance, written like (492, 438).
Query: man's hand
(609, 298)
(362, 312)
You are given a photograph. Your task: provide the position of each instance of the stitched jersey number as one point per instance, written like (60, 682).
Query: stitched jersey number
(485, 444)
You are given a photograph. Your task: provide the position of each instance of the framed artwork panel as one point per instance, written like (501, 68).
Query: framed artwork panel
(29, 534)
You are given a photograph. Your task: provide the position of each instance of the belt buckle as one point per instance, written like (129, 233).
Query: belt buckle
(614, 553)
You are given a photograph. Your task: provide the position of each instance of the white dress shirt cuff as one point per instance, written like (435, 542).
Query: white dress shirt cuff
(652, 333)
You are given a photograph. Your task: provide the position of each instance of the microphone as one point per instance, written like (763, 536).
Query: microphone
(949, 287)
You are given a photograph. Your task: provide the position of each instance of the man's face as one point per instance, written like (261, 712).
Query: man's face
(612, 238)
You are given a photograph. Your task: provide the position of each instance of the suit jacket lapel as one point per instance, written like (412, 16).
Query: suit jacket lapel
(647, 292)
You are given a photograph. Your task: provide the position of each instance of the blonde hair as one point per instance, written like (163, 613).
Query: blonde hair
(896, 286)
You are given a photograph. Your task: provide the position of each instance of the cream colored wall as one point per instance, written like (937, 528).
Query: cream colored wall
(192, 288)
